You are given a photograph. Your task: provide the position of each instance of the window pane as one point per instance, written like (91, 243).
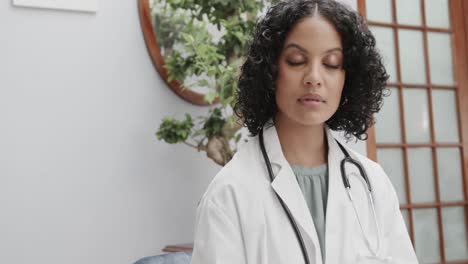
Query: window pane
(379, 10)
(426, 232)
(413, 67)
(391, 160)
(416, 110)
(386, 44)
(444, 106)
(450, 174)
(420, 167)
(387, 121)
(409, 12)
(456, 247)
(405, 215)
(437, 13)
(440, 58)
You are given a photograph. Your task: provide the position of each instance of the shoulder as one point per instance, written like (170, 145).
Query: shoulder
(376, 174)
(373, 169)
(367, 163)
(241, 177)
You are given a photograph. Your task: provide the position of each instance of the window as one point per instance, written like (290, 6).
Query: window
(421, 134)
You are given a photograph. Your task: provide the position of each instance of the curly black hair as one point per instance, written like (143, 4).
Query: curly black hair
(365, 81)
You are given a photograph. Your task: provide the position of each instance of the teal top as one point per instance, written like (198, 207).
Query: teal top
(314, 185)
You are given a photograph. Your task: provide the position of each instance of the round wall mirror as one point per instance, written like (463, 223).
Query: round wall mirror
(160, 28)
(198, 46)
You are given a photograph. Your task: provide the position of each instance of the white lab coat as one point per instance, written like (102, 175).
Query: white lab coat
(241, 221)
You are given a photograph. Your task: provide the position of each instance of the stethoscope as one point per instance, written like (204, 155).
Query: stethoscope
(344, 176)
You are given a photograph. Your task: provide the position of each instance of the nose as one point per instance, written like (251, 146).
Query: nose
(312, 77)
(313, 83)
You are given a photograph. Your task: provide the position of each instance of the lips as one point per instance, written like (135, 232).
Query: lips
(311, 98)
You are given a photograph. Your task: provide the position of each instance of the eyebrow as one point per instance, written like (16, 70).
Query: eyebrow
(294, 45)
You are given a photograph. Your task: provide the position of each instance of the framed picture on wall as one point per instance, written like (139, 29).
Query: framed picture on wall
(74, 5)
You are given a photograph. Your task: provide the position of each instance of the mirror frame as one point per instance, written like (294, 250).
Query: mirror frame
(158, 60)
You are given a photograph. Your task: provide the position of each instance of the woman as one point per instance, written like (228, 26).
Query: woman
(312, 67)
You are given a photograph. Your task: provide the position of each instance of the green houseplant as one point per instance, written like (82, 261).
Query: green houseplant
(213, 64)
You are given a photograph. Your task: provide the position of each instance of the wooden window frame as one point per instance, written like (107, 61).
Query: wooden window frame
(459, 30)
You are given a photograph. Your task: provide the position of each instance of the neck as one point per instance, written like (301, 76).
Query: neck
(302, 145)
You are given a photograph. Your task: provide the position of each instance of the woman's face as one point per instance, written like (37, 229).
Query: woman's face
(310, 73)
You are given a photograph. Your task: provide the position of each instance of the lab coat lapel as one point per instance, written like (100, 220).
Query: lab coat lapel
(287, 187)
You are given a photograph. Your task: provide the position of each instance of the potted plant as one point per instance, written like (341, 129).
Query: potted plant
(197, 59)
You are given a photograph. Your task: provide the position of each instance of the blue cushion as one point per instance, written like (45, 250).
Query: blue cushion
(170, 258)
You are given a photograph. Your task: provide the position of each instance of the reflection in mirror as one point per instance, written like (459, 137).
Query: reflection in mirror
(174, 30)
(198, 46)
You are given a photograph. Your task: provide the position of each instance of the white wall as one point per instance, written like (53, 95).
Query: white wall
(82, 177)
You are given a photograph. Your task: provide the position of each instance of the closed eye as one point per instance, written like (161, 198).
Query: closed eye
(295, 63)
(291, 63)
(332, 66)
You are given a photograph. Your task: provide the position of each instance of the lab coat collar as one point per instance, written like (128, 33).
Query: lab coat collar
(275, 152)
(287, 187)
(273, 146)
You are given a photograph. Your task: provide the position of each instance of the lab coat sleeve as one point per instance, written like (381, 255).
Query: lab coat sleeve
(395, 234)
(217, 237)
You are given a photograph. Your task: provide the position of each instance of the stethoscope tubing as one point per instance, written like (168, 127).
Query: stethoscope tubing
(286, 209)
